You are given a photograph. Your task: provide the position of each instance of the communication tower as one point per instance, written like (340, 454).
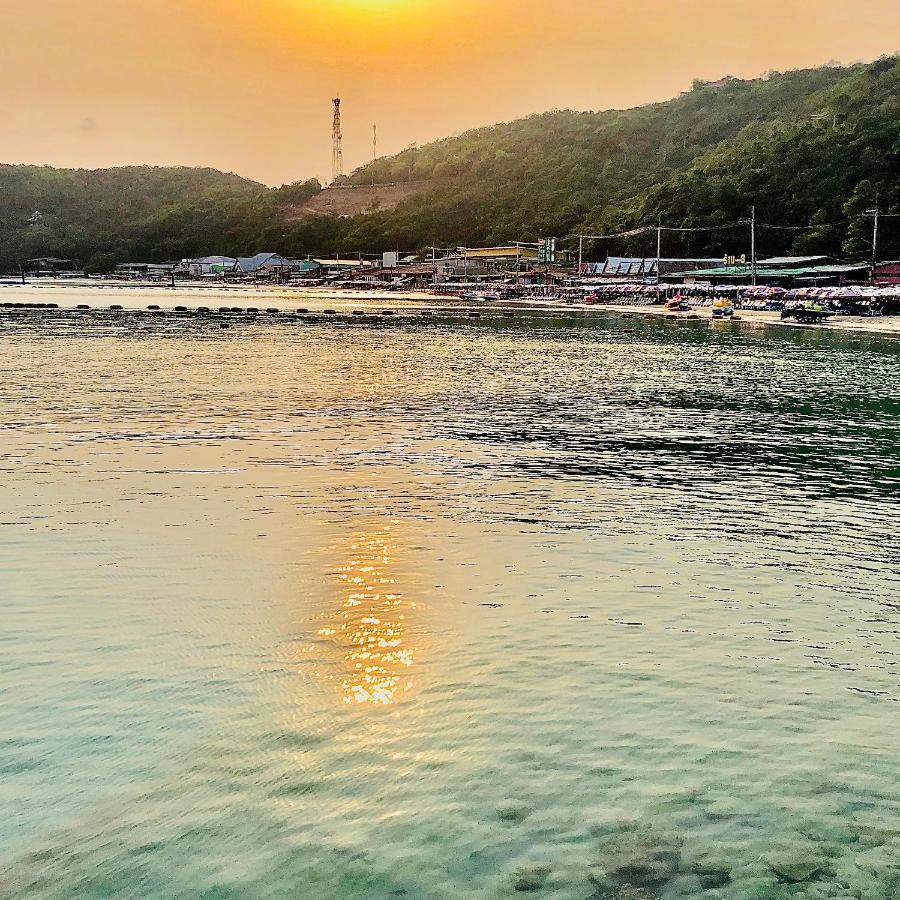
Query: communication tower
(337, 156)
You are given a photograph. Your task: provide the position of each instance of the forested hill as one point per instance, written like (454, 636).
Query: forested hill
(105, 216)
(818, 145)
(814, 146)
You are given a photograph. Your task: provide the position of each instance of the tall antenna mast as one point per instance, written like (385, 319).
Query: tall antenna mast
(374, 151)
(337, 137)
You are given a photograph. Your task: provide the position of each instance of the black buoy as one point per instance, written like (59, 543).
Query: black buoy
(116, 307)
(153, 306)
(302, 310)
(181, 309)
(224, 309)
(82, 306)
(236, 309)
(272, 309)
(359, 312)
(387, 312)
(330, 312)
(203, 310)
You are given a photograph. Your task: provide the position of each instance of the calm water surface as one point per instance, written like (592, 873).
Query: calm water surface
(447, 610)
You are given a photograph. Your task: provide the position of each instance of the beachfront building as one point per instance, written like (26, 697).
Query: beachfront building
(485, 263)
(306, 268)
(148, 270)
(51, 265)
(887, 273)
(209, 265)
(416, 275)
(263, 264)
(350, 268)
(646, 270)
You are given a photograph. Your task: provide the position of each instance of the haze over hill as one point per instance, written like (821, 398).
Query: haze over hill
(816, 146)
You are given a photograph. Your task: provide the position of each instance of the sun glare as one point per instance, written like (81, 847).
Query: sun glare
(370, 12)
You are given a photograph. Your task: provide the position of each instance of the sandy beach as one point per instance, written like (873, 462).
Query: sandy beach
(139, 295)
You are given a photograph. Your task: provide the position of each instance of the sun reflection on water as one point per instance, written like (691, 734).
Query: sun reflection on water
(370, 626)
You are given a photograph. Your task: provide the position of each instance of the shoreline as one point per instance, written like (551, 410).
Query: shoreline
(38, 296)
(752, 318)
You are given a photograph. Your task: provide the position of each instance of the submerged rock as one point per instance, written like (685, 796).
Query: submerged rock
(712, 872)
(795, 866)
(627, 892)
(531, 876)
(642, 864)
(607, 890)
(513, 811)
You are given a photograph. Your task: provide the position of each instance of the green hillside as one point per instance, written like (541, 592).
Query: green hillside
(100, 217)
(809, 146)
(814, 146)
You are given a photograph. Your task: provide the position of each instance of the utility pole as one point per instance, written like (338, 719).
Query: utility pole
(374, 151)
(753, 244)
(580, 253)
(658, 254)
(874, 213)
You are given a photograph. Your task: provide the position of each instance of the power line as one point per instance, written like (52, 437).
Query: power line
(803, 227)
(639, 230)
(647, 229)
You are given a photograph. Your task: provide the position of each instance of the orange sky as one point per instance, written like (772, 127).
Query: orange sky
(246, 85)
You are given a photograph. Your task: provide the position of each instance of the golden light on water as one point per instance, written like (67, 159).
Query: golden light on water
(369, 630)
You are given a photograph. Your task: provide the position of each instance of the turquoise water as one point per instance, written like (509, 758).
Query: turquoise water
(604, 609)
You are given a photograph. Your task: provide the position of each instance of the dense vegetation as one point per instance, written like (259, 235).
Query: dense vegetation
(817, 146)
(103, 217)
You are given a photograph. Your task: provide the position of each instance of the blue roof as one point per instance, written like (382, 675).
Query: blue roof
(252, 263)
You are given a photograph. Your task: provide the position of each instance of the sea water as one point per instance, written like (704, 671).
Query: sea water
(448, 609)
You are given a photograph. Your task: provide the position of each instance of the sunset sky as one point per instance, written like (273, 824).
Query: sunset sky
(246, 85)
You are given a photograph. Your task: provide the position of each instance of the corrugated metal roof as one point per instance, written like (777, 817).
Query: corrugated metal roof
(341, 263)
(214, 261)
(500, 252)
(790, 260)
(742, 271)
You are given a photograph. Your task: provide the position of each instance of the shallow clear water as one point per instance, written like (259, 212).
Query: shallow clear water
(425, 610)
